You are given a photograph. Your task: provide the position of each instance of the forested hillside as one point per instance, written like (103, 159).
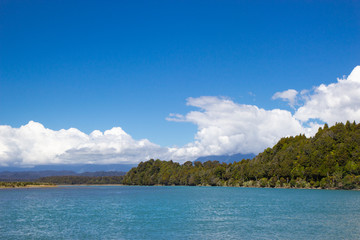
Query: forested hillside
(82, 180)
(330, 159)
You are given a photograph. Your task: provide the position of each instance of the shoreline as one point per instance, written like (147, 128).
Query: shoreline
(66, 185)
(157, 185)
(30, 186)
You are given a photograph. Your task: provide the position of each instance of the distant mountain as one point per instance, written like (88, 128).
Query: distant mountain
(77, 168)
(33, 175)
(91, 170)
(226, 158)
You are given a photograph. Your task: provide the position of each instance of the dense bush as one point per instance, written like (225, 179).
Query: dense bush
(330, 159)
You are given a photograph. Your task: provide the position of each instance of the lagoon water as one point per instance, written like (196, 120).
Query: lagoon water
(125, 212)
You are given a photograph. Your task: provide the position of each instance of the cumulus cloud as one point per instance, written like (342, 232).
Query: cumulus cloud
(336, 102)
(224, 127)
(33, 144)
(288, 95)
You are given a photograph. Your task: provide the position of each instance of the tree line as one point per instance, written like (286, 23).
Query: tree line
(330, 159)
(70, 180)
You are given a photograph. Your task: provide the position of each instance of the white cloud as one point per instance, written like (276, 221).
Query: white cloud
(175, 117)
(33, 144)
(224, 127)
(336, 102)
(288, 95)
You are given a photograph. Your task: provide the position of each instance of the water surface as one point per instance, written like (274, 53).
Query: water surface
(124, 212)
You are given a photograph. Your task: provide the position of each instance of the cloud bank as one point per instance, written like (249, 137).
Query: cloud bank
(224, 127)
(336, 102)
(33, 144)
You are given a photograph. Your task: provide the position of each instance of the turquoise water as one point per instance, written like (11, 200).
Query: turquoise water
(123, 212)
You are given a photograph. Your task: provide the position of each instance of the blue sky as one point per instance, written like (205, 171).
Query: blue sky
(95, 65)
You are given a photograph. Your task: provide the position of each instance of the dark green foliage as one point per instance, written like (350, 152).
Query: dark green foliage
(82, 180)
(330, 159)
